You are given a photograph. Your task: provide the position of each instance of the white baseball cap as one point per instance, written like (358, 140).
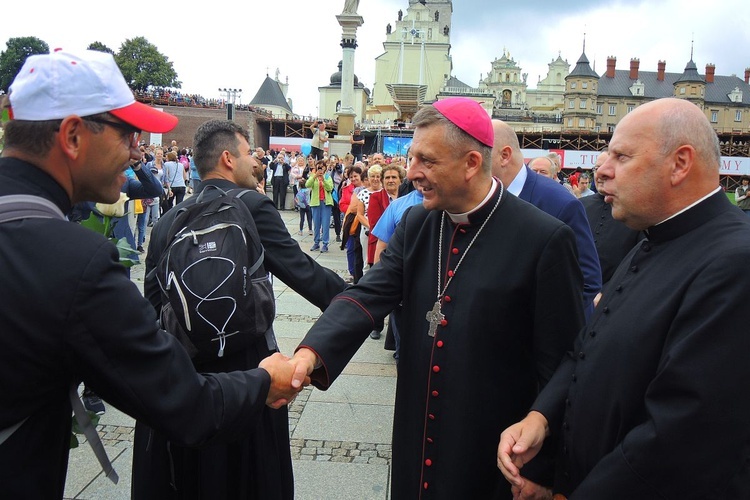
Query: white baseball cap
(53, 86)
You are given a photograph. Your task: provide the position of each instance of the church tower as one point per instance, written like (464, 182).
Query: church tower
(579, 112)
(416, 60)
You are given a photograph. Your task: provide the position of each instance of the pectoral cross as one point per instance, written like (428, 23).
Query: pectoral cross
(434, 316)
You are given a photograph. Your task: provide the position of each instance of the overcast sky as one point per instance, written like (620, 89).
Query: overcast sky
(219, 43)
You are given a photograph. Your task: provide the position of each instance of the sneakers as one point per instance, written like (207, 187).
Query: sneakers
(374, 335)
(315, 247)
(309, 233)
(300, 232)
(140, 248)
(338, 239)
(324, 249)
(92, 402)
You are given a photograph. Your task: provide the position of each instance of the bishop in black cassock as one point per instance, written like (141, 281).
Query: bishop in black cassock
(509, 312)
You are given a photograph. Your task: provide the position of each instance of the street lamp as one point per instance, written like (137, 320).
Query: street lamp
(230, 96)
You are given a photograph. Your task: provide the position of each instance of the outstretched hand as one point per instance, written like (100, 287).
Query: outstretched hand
(304, 362)
(519, 443)
(281, 370)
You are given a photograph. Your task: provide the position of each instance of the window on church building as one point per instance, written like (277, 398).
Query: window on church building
(738, 115)
(570, 122)
(571, 104)
(630, 108)
(714, 116)
(612, 109)
(583, 104)
(584, 85)
(598, 109)
(597, 129)
(573, 85)
(581, 122)
(682, 90)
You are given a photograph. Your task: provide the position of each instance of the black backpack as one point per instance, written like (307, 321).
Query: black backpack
(217, 297)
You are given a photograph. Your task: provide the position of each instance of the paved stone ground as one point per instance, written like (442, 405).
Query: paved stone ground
(340, 438)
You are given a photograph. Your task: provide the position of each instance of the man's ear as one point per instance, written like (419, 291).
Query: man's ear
(505, 154)
(226, 160)
(69, 138)
(473, 163)
(683, 159)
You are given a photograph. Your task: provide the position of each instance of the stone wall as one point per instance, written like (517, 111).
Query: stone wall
(191, 118)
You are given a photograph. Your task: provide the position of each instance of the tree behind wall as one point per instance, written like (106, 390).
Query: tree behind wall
(143, 65)
(15, 54)
(100, 47)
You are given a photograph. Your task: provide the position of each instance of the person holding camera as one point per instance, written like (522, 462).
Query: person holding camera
(320, 137)
(321, 201)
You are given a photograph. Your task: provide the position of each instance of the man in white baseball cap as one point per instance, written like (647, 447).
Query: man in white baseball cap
(68, 311)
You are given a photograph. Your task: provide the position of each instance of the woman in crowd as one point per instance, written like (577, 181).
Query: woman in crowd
(321, 201)
(310, 167)
(156, 166)
(295, 174)
(350, 230)
(392, 175)
(174, 180)
(373, 186)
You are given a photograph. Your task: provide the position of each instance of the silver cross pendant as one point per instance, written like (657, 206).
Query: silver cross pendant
(434, 316)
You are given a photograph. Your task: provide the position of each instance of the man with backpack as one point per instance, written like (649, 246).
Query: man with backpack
(67, 308)
(187, 273)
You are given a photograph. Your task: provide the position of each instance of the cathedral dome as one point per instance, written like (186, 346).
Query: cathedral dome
(336, 77)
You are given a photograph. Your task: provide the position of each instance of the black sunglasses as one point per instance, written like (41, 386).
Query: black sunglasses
(132, 133)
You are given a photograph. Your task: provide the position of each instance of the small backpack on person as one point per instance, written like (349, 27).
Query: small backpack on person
(303, 198)
(217, 297)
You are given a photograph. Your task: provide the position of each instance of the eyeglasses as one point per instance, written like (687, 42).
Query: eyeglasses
(129, 132)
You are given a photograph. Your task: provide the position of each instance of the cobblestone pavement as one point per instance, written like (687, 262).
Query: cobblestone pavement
(121, 436)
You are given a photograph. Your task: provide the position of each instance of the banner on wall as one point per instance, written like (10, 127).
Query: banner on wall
(730, 165)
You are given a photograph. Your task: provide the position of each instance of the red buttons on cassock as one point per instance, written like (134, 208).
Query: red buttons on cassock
(443, 322)
(435, 394)
(426, 485)
(428, 462)
(436, 368)
(463, 230)
(450, 273)
(439, 343)
(455, 251)
(447, 298)
(429, 440)
(431, 416)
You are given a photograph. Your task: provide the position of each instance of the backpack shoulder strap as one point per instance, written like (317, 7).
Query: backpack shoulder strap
(250, 222)
(27, 206)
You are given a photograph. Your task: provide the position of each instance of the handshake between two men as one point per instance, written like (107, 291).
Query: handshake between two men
(288, 375)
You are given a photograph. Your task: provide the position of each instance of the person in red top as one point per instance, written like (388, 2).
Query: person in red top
(393, 175)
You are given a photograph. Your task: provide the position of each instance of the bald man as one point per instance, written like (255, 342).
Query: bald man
(612, 238)
(550, 197)
(652, 402)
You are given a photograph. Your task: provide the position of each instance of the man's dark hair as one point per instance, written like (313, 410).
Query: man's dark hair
(37, 137)
(31, 137)
(211, 139)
